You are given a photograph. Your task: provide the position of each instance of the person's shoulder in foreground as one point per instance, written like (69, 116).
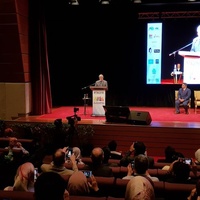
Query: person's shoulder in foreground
(139, 187)
(51, 186)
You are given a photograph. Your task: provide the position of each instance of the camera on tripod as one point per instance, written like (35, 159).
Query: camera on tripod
(73, 118)
(75, 110)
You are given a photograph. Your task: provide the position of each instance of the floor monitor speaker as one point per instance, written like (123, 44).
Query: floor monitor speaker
(139, 118)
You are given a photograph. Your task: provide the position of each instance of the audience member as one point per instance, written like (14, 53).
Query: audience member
(97, 167)
(195, 193)
(24, 178)
(171, 155)
(58, 163)
(77, 153)
(135, 149)
(179, 172)
(106, 162)
(139, 167)
(77, 184)
(14, 145)
(114, 154)
(8, 132)
(197, 157)
(139, 188)
(81, 185)
(51, 186)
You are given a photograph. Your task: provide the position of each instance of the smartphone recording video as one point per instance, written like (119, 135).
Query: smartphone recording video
(35, 174)
(88, 174)
(186, 160)
(69, 153)
(133, 164)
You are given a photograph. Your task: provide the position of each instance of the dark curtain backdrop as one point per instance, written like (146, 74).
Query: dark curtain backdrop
(84, 41)
(40, 75)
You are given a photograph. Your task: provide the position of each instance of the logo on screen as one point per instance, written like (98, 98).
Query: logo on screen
(150, 61)
(156, 50)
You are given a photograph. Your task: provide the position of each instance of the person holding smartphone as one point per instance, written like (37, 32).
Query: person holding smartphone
(58, 163)
(79, 184)
(139, 167)
(179, 171)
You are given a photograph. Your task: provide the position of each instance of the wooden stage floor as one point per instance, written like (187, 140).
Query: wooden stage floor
(161, 117)
(184, 136)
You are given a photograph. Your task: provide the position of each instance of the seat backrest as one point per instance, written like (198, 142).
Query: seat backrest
(86, 198)
(178, 190)
(16, 195)
(197, 95)
(176, 94)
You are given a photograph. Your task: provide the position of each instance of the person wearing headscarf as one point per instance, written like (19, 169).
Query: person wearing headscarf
(77, 153)
(24, 178)
(197, 157)
(139, 188)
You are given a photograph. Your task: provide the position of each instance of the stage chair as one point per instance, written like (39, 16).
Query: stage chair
(181, 105)
(196, 99)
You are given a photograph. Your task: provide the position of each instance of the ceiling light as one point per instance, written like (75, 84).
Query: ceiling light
(105, 2)
(74, 2)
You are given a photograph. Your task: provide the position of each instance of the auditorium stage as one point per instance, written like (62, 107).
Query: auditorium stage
(181, 131)
(161, 116)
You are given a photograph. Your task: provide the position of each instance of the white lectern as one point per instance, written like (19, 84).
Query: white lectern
(98, 100)
(191, 68)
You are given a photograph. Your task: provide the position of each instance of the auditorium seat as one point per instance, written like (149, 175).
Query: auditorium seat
(86, 160)
(120, 187)
(160, 165)
(115, 198)
(116, 171)
(16, 195)
(106, 184)
(161, 174)
(174, 191)
(123, 171)
(87, 198)
(47, 159)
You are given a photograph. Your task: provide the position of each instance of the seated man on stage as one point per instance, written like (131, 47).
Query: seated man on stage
(184, 95)
(101, 82)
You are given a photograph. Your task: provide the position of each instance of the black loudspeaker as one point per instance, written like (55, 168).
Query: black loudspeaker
(139, 118)
(118, 114)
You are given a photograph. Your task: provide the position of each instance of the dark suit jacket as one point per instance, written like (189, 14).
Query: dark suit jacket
(184, 94)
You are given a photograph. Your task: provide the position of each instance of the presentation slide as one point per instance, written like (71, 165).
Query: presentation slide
(169, 59)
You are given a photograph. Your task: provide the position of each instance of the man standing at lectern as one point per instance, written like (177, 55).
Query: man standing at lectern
(196, 42)
(101, 82)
